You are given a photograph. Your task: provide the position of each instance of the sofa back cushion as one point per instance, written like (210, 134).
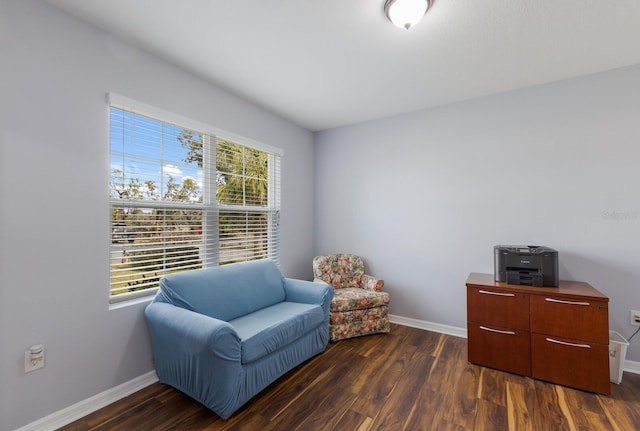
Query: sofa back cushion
(225, 292)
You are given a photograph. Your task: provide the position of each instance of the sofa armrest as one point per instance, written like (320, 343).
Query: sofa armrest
(196, 354)
(308, 292)
(371, 283)
(178, 331)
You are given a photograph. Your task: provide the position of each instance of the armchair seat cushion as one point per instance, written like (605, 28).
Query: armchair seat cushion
(268, 330)
(353, 298)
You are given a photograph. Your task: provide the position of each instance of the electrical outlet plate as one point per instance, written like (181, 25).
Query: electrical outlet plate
(32, 365)
(634, 317)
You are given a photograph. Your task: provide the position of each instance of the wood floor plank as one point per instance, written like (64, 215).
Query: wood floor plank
(492, 417)
(493, 383)
(122, 406)
(327, 411)
(564, 408)
(586, 411)
(427, 411)
(461, 384)
(380, 384)
(621, 407)
(369, 371)
(399, 405)
(518, 414)
(352, 420)
(409, 379)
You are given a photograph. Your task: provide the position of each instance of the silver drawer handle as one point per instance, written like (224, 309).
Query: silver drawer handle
(497, 330)
(486, 292)
(566, 302)
(584, 346)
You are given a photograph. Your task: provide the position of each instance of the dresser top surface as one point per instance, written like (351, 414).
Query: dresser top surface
(566, 288)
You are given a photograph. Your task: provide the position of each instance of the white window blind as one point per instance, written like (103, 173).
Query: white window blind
(183, 199)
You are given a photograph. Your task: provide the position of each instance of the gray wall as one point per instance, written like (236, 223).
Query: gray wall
(424, 197)
(54, 217)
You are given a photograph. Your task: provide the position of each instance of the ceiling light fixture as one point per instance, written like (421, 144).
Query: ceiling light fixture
(405, 13)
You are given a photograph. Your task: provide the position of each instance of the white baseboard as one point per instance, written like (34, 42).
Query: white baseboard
(90, 405)
(629, 366)
(76, 411)
(632, 366)
(429, 326)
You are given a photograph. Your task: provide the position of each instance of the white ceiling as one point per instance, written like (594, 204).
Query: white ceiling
(328, 63)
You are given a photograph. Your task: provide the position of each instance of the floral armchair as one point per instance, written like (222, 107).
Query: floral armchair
(359, 307)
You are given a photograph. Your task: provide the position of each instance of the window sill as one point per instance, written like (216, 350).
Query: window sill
(133, 301)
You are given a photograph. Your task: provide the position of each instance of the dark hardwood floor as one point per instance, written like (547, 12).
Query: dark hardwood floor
(410, 379)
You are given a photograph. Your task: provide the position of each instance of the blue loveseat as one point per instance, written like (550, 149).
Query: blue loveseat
(222, 334)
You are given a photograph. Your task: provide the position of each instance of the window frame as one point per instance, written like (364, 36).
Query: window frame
(209, 205)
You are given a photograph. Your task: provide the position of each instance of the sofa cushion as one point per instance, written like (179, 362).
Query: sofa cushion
(354, 298)
(271, 328)
(225, 292)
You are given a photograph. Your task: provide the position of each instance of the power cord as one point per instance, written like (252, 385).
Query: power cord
(634, 334)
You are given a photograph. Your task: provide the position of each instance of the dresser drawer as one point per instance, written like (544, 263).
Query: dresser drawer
(576, 318)
(504, 349)
(570, 362)
(495, 307)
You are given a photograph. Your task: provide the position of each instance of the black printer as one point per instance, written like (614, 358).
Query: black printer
(530, 265)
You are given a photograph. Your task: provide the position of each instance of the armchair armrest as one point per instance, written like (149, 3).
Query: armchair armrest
(308, 292)
(371, 283)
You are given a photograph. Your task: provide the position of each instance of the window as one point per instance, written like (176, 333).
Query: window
(184, 196)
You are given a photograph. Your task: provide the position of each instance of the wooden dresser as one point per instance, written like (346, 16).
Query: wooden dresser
(558, 334)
